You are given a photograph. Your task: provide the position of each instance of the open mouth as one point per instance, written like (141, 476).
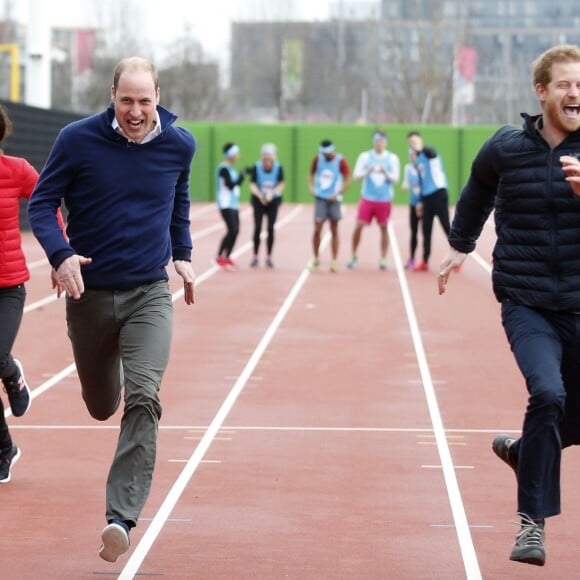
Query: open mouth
(572, 111)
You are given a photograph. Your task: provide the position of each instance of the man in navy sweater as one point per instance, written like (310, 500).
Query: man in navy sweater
(124, 178)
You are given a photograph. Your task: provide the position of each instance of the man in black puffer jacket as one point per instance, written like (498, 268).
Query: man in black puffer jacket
(531, 178)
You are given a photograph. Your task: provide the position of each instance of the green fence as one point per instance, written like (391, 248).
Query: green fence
(298, 145)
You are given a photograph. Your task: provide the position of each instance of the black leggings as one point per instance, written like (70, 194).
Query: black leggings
(271, 212)
(414, 226)
(232, 219)
(435, 204)
(11, 309)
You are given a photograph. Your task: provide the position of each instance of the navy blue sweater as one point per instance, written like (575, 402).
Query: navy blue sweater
(128, 204)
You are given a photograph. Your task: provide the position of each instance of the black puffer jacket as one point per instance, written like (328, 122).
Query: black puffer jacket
(536, 259)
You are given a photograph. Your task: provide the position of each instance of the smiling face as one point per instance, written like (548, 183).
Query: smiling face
(135, 99)
(560, 98)
(267, 161)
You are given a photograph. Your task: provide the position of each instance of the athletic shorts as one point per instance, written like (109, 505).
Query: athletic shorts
(380, 210)
(326, 210)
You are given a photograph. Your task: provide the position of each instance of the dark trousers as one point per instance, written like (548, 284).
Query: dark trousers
(232, 219)
(11, 308)
(434, 205)
(546, 346)
(271, 212)
(414, 227)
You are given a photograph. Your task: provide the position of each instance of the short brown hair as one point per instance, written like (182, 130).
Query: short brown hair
(5, 124)
(135, 64)
(542, 66)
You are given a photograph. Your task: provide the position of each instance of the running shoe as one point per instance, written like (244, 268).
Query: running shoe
(7, 461)
(115, 537)
(220, 261)
(528, 547)
(352, 262)
(421, 267)
(502, 446)
(383, 264)
(254, 262)
(230, 264)
(334, 266)
(269, 262)
(18, 392)
(410, 264)
(313, 264)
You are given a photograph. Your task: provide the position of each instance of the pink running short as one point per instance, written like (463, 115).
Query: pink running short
(380, 210)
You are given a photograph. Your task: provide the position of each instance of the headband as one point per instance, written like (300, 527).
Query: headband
(269, 150)
(378, 136)
(326, 150)
(233, 150)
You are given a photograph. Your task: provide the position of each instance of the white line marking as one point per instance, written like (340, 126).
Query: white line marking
(37, 264)
(196, 236)
(40, 303)
(441, 467)
(483, 263)
(150, 535)
(199, 280)
(46, 385)
(289, 429)
(463, 534)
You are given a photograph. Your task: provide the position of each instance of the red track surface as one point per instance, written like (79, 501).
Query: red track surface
(301, 436)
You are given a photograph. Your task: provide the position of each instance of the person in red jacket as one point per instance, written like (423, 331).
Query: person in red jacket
(17, 179)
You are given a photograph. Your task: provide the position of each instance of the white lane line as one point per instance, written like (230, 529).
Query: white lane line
(193, 213)
(196, 236)
(170, 501)
(470, 563)
(46, 385)
(242, 249)
(200, 279)
(37, 264)
(40, 303)
(289, 429)
(483, 263)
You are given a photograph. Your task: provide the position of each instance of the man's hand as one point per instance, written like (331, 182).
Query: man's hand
(419, 210)
(68, 277)
(453, 260)
(184, 269)
(571, 167)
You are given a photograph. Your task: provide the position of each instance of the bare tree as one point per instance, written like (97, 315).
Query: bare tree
(190, 83)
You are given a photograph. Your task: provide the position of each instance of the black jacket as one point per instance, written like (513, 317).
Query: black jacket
(536, 259)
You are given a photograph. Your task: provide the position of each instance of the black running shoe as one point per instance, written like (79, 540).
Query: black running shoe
(7, 460)
(18, 392)
(503, 447)
(529, 545)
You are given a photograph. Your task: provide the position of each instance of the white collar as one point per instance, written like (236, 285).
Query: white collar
(155, 132)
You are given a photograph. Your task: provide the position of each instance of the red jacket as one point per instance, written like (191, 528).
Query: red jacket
(17, 179)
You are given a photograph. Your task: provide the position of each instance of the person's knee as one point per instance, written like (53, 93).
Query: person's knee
(546, 398)
(101, 413)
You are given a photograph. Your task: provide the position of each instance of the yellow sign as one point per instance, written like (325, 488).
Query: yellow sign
(14, 71)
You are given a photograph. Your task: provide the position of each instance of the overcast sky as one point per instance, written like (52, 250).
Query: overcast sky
(162, 20)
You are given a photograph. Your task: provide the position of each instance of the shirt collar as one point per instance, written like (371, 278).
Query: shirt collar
(155, 132)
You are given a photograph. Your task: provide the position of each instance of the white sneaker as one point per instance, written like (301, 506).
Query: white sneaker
(115, 541)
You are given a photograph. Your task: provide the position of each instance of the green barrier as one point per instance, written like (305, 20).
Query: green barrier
(298, 145)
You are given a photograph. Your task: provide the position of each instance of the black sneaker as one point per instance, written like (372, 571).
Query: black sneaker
(503, 447)
(18, 392)
(529, 545)
(7, 460)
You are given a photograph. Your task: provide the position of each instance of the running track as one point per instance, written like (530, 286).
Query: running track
(315, 426)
